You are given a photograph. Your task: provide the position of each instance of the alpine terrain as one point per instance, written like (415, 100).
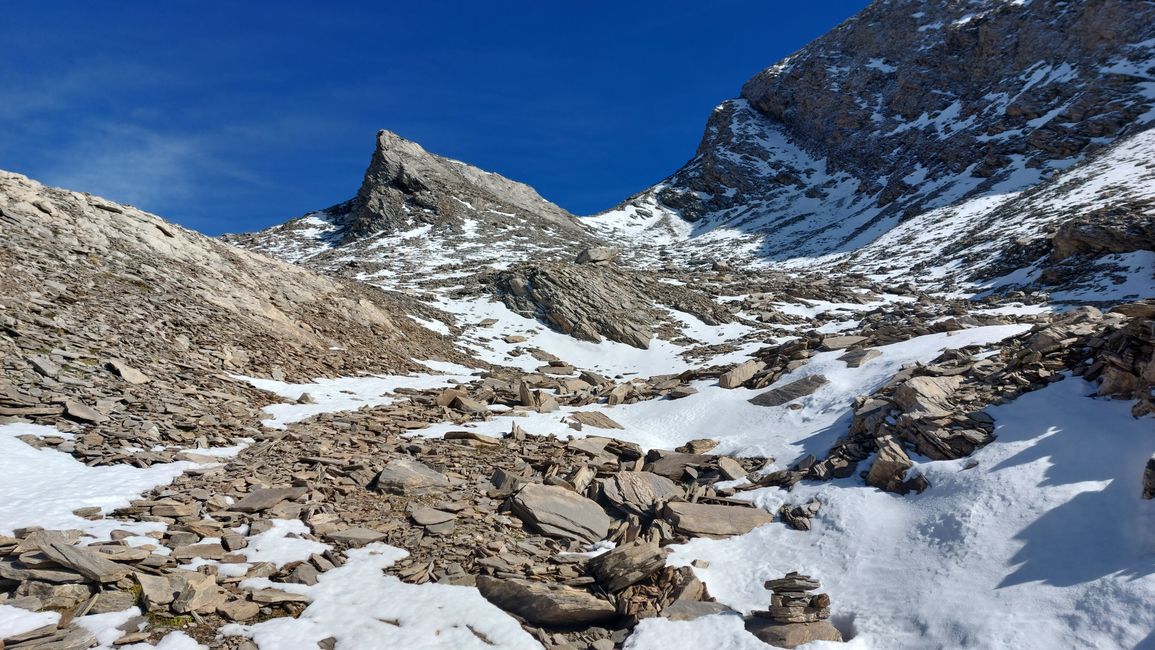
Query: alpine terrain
(874, 369)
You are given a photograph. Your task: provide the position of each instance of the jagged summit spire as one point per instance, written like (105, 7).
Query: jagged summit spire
(406, 186)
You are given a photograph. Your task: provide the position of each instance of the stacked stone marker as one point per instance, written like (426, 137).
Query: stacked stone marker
(792, 601)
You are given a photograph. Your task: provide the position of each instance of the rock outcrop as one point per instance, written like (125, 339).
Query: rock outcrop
(593, 301)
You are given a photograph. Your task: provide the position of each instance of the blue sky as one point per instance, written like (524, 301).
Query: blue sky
(228, 117)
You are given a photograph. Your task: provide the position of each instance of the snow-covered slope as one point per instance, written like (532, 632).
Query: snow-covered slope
(910, 106)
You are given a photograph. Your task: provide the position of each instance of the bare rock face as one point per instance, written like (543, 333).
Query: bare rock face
(594, 301)
(1120, 228)
(406, 186)
(851, 107)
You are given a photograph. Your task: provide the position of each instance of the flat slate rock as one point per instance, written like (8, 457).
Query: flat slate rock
(558, 512)
(431, 516)
(640, 493)
(127, 372)
(595, 419)
(408, 476)
(790, 392)
(856, 358)
(56, 547)
(546, 604)
(627, 564)
(265, 498)
(356, 536)
(840, 342)
(792, 635)
(704, 520)
(82, 412)
(673, 464)
(688, 610)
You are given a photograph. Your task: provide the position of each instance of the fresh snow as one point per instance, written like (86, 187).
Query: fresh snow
(1043, 544)
(42, 487)
(365, 609)
(344, 393)
(740, 427)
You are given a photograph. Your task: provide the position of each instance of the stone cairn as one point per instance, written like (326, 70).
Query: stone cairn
(792, 602)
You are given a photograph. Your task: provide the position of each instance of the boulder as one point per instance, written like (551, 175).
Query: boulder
(627, 564)
(927, 396)
(408, 476)
(639, 493)
(889, 468)
(792, 635)
(790, 392)
(740, 374)
(557, 512)
(704, 520)
(597, 255)
(551, 605)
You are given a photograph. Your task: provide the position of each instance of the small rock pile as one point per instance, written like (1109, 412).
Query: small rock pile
(796, 616)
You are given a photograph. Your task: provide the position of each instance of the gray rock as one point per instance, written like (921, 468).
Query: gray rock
(927, 396)
(704, 520)
(890, 466)
(855, 358)
(558, 512)
(546, 604)
(597, 255)
(639, 493)
(408, 476)
(627, 564)
(790, 392)
(688, 610)
(265, 498)
(82, 412)
(673, 464)
(794, 582)
(356, 537)
(792, 635)
(840, 342)
(44, 366)
(56, 547)
(127, 372)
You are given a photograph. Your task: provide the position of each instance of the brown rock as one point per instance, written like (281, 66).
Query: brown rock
(703, 520)
(546, 604)
(627, 564)
(558, 512)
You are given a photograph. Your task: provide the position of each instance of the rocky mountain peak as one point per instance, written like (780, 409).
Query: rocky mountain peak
(906, 107)
(406, 186)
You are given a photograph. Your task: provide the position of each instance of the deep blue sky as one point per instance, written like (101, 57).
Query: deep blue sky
(234, 116)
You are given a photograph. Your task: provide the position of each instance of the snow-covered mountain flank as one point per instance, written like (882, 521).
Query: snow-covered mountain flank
(875, 369)
(904, 108)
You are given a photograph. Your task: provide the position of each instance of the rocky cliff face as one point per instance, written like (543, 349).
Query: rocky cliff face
(906, 107)
(417, 210)
(406, 186)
